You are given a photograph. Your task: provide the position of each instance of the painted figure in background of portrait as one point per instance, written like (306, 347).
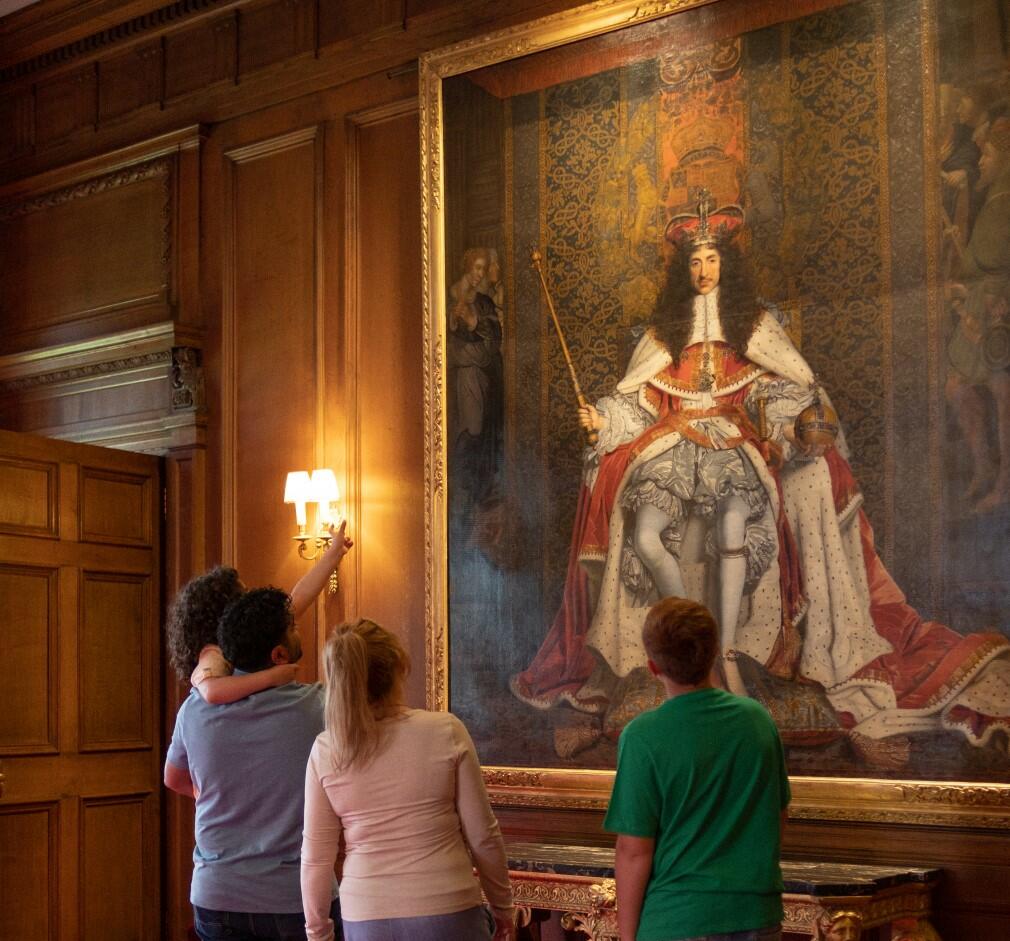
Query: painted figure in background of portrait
(705, 483)
(474, 361)
(978, 380)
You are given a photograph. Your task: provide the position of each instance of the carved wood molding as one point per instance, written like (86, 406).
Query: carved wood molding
(88, 371)
(273, 145)
(582, 22)
(130, 29)
(510, 777)
(150, 170)
(957, 796)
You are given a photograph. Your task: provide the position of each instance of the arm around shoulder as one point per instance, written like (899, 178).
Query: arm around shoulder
(218, 690)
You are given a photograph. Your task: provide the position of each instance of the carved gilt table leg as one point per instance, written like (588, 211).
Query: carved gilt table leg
(600, 922)
(839, 924)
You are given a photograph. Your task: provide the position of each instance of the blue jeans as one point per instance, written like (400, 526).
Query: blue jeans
(473, 924)
(211, 925)
(760, 934)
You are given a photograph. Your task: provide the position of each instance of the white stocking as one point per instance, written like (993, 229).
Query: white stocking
(731, 531)
(650, 521)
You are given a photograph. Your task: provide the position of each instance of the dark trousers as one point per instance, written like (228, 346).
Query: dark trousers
(211, 925)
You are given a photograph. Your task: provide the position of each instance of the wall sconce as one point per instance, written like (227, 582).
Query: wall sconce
(320, 488)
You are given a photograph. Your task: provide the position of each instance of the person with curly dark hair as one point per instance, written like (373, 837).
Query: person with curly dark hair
(244, 761)
(195, 615)
(254, 625)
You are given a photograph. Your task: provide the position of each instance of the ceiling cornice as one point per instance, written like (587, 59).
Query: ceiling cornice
(54, 31)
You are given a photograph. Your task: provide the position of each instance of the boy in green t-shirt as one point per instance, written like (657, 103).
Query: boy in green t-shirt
(699, 798)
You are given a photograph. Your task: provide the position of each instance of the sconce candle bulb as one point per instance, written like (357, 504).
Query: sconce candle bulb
(298, 490)
(320, 488)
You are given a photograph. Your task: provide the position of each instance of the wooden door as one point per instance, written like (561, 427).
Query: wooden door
(79, 692)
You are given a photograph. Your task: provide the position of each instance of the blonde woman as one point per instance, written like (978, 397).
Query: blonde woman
(402, 787)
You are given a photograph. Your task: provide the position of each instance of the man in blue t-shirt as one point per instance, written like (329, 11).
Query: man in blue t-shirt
(244, 762)
(699, 798)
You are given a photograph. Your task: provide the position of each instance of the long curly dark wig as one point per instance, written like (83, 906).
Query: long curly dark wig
(739, 310)
(194, 616)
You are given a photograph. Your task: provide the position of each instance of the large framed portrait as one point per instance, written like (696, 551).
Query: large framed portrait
(717, 304)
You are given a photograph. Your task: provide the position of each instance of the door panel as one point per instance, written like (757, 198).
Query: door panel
(28, 497)
(28, 870)
(79, 670)
(28, 664)
(114, 662)
(114, 508)
(112, 860)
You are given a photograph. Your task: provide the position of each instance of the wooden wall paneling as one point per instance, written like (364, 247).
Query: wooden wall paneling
(185, 556)
(277, 64)
(385, 435)
(29, 843)
(17, 124)
(185, 252)
(971, 901)
(340, 22)
(269, 396)
(95, 402)
(87, 255)
(66, 104)
(275, 31)
(29, 672)
(34, 29)
(102, 348)
(201, 56)
(130, 81)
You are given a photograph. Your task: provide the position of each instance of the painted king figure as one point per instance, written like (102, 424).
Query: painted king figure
(704, 483)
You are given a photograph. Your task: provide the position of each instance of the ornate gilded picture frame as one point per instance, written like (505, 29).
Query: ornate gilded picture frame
(821, 461)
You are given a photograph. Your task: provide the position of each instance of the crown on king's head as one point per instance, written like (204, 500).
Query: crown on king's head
(707, 228)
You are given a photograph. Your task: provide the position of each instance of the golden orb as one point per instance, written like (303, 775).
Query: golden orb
(816, 425)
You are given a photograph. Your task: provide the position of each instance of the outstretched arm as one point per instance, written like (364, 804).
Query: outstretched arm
(309, 586)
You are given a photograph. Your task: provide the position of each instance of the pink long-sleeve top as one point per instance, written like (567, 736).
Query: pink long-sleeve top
(404, 818)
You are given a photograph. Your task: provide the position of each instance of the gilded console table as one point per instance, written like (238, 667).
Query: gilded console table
(824, 901)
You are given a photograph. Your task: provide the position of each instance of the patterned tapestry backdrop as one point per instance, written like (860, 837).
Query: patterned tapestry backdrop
(830, 130)
(787, 121)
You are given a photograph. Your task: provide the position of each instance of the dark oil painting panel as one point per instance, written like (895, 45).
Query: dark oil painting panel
(868, 145)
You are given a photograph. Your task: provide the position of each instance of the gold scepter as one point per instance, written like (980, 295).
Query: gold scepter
(536, 258)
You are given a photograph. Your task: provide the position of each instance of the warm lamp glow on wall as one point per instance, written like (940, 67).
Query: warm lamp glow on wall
(320, 488)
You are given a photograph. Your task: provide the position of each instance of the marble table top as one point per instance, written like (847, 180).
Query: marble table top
(801, 877)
